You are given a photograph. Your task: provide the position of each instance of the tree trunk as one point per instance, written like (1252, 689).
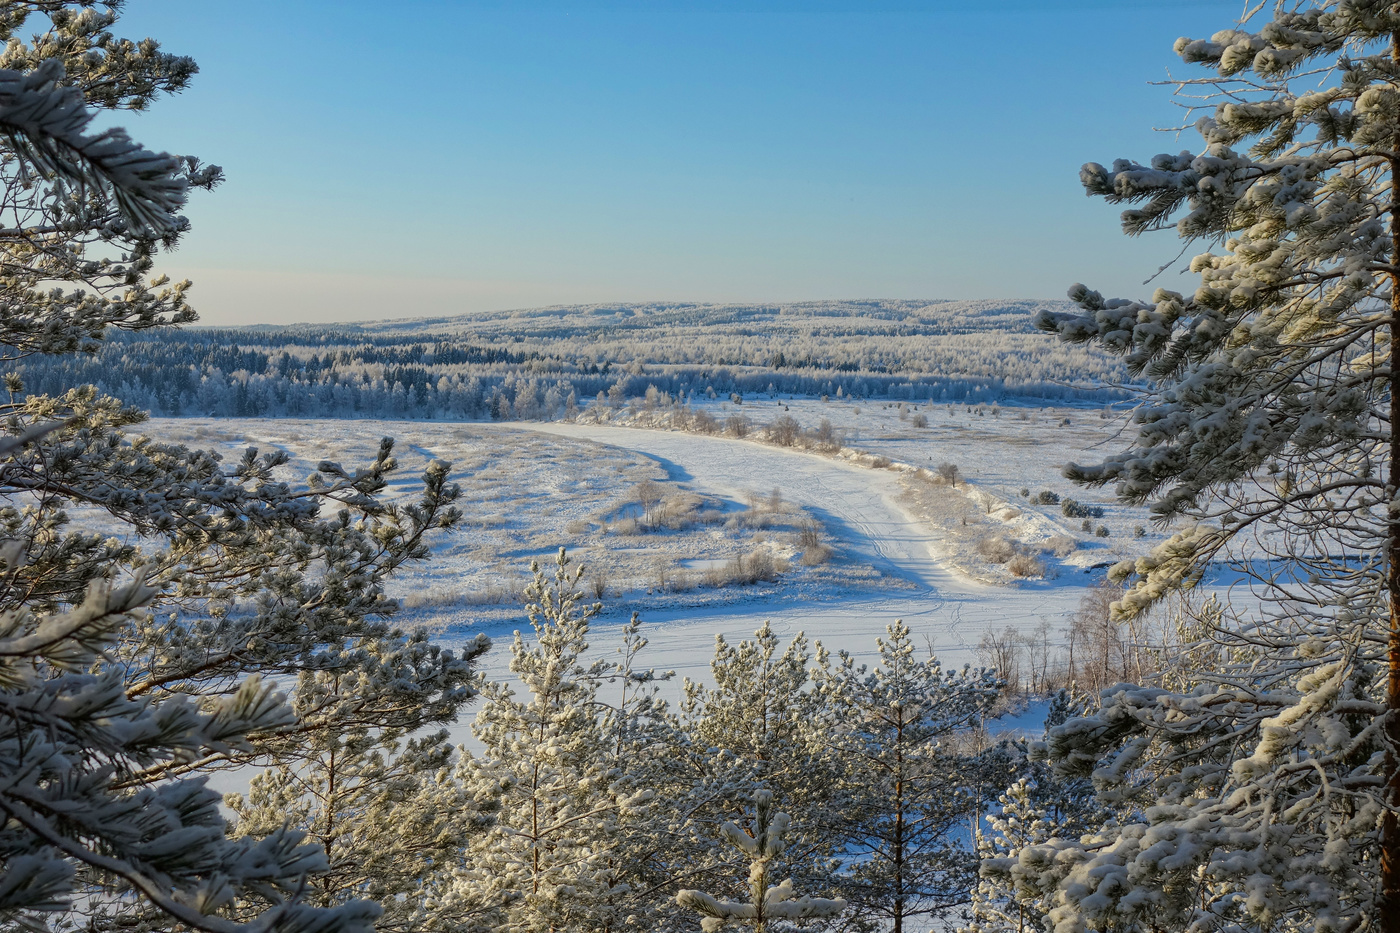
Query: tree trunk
(1390, 824)
(899, 827)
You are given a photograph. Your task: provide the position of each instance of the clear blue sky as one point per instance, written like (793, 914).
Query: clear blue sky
(413, 158)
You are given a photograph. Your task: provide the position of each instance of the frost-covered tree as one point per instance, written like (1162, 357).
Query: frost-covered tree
(762, 724)
(905, 785)
(1263, 788)
(137, 647)
(768, 901)
(567, 810)
(384, 808)
(1037, 807)
(1017, 824)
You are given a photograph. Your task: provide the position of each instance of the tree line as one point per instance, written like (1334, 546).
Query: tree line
(253, 372)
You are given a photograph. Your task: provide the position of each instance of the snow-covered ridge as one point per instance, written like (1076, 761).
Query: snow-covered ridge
(829, 318)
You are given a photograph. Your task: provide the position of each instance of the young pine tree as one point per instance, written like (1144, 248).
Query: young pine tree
(906, 785)
(1039, 806)
(762, 725)
(769, 903)
(387, 813)
(567, 811)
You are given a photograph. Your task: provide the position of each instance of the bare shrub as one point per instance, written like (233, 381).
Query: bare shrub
(1001, 651)
(1062, 545)
(598, 582)
(627, 527)
(824, 437)
(880, 462)
(815, 552)
(746, 570)
(920, 420)
(784, 430)
(996, 549)
(758, 567)
(1102, 651)
(1025, 566)
(710, 517)
(676, 511)
(1010, 514)
(432, 597)
(737, 426)
(704, 422)
(496, 594)
(661, 569)
(578, 526)
(947, 472)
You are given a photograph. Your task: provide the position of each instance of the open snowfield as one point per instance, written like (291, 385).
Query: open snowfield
(532, 487)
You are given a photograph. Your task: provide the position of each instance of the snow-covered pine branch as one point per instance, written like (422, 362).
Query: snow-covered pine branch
(45, 123)
(761, 843)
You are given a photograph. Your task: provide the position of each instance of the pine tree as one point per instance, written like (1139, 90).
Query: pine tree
(385, 809)
(906, 785)
(566, 810)
(1263, 789)
(1000, 904)
(135, 662)
(1037, 807)
(761, 725)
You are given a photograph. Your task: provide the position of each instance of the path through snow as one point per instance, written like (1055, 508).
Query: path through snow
(861, 510)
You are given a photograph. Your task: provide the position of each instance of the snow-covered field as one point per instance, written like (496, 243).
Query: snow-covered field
(531, 488)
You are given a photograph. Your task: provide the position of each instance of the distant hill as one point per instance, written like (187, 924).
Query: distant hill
(829, 318)
(533, 362)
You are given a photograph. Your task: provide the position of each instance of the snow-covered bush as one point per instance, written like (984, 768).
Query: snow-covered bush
(1073, 508)
(1025, 566)
(996, 549)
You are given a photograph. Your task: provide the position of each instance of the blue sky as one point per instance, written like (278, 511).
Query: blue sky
(415, 158)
